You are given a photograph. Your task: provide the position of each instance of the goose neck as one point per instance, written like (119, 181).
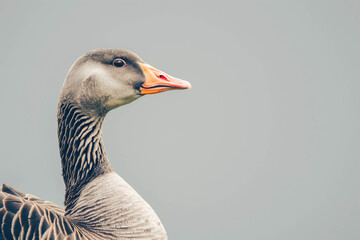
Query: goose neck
(82, 152)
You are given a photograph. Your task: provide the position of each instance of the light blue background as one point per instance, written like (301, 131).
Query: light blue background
(265, 146)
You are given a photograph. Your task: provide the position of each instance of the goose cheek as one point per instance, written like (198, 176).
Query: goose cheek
(120, 97)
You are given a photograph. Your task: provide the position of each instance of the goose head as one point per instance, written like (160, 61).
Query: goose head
(104, 79)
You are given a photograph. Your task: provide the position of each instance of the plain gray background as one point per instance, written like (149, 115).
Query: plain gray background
(265, 146)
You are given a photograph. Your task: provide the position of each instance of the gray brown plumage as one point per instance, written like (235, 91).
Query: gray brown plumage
(99, 204)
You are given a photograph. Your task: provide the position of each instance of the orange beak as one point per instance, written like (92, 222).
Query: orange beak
(157, 81)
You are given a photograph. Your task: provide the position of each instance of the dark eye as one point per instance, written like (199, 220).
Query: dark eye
(119, 62)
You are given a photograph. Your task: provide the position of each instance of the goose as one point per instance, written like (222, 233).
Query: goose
(99, 204)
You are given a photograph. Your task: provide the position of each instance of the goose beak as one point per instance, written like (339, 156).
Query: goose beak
(157, 81)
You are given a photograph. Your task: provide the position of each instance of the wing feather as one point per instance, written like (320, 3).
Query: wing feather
(24, 216)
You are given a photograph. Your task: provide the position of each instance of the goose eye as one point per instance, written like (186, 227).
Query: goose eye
(119, 62)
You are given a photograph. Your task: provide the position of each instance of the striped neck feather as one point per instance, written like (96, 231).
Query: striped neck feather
(82, 152)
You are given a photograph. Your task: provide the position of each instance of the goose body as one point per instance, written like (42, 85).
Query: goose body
(99, 204)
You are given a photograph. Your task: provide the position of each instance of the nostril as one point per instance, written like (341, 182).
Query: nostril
(163, 77)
